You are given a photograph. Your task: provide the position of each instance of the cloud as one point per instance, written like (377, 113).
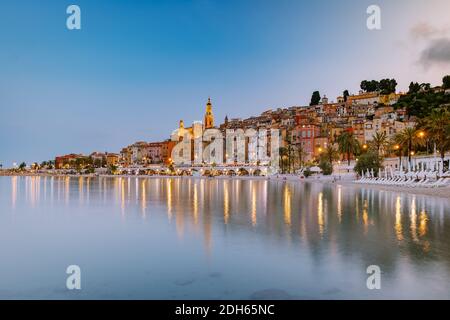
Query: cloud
(424, 30)
(437, 51)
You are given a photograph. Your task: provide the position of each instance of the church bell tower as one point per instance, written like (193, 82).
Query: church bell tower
(209, 117)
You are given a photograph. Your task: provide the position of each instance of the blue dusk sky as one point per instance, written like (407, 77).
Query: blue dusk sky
(136, 67)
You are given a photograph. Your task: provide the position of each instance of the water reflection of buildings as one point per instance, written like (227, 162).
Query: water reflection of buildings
(226, 201)
(314, 216)
(320, 219)
(253, 203)
(398, 218)
(287, 205)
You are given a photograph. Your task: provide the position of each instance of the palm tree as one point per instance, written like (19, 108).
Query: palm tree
(290, 149)
(286, 152)
(348, 144)
(331, 154)
(300, 154)
(379, 143)
(113, 169)
(409, 139)
(437, 125)
(79, 164)
(396, 148)
(22, 166)
(283, 158)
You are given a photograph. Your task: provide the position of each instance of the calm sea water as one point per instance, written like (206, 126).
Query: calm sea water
(181, 238)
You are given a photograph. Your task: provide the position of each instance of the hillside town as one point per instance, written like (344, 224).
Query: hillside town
(322, 136)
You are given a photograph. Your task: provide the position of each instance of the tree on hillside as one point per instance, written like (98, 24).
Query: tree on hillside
(370, 86)
(384, 86)
(415, 87)
(345, 94)
(315, 99)
(421, 100)
(22, 166)
(387, 86)
(446, 82)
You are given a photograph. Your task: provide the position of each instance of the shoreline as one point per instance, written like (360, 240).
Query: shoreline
(439, 192)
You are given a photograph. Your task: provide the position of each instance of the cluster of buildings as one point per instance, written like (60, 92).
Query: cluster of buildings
(314, 127)
(96, 159)
(138, 154)
(310, 127)
(146, 153)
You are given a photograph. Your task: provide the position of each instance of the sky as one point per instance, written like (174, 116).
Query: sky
(137, 67)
